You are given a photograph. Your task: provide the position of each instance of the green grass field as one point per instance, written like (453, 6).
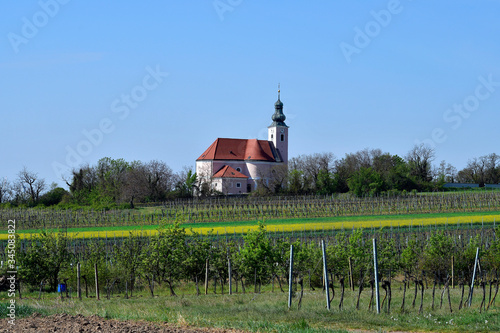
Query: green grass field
(268, 311)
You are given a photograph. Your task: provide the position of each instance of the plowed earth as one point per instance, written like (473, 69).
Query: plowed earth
(79, 324)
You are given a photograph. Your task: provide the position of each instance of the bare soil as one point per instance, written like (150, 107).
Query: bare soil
(79, 324)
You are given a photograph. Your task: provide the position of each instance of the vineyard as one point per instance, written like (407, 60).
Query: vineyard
(438, 255)
(248, 209)
(423, 264)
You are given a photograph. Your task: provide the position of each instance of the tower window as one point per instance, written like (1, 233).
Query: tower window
(282, 137)
(272, 136)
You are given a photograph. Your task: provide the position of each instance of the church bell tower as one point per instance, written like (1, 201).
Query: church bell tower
(278, 130)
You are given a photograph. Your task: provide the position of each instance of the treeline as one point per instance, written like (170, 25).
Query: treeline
(172, 258)
(108, 184)
(369, 172)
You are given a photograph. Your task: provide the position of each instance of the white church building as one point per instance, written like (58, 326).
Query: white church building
(235, 166)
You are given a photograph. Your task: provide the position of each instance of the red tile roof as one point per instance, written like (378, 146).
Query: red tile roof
(228, 172)
(239, 149)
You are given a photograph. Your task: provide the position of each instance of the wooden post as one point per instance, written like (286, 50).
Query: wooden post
(230, 279)
(453, 272)
(96, 282)
(325, 275)
(290, 279)
(375, 271)
(78, 283)
(351, 278)
(255, 280)
(206, 277)
(473, 277)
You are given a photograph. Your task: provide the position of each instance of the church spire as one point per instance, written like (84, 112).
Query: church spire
(278, 116)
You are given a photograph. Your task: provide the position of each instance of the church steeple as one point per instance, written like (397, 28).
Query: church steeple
(278, 116)
(278, 131)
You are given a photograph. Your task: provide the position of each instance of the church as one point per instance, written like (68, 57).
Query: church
(237, 166)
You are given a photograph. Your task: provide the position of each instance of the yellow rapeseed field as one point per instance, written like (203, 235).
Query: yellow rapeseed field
(298, 226)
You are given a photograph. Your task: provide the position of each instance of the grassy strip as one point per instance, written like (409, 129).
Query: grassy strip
(268, 312)
(276, 222)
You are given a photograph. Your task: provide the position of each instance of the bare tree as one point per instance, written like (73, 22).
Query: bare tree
(420, 159)
(135, 184)
(160, 180)
(5, 190)
(446, 172)
(310, 166)
(31, 184)
(492, 168)
(273, 180)
(84, 178)
(481, 170)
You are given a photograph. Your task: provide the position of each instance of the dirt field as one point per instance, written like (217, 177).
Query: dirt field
(79, 324)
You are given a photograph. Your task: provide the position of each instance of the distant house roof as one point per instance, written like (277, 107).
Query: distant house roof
(228, 172)
(460, 185)
(240, 149)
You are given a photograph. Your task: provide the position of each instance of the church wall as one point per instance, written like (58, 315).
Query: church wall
(230, 185)
(204, 169)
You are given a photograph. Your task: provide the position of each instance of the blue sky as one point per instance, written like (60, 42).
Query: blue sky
(353, 74)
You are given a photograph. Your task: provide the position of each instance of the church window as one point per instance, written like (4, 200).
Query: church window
(238, 185)
(238, 169)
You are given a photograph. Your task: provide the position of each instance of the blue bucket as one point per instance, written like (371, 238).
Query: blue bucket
(61, 288)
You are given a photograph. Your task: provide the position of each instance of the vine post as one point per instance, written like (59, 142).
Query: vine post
(290, 279)
(375, 273)
(325, 275)
(473, 277)
(96, 282)
(78, 276)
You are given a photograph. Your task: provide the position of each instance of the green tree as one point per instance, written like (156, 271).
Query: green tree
(295, 182)
(326, 183)
(410, 257)
(437, 256)
(338, 254)
(44, 258)
(128, 257)
(465, 258)
(95, 254)
(493, 254)
(53, 197)
(187, 183)
(199, 249)
(165, 255)
(360, 252)
(257, 255)
(364, 182)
